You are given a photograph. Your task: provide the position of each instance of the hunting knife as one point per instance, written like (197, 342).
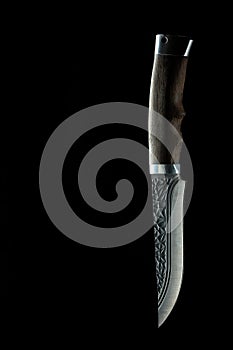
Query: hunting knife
(166, 113)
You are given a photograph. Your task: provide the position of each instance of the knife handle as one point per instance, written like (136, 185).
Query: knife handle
(166, 94)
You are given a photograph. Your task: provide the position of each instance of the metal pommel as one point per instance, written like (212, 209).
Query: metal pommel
(174, 45)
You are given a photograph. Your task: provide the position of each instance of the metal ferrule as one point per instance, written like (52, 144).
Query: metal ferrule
(174, 45)
(164, 169)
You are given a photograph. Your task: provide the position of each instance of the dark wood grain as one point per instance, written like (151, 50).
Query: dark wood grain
(167, 85)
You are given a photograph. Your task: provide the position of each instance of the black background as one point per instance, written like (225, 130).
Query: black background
(58, 288)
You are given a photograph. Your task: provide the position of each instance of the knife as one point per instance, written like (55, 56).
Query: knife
(166, 113)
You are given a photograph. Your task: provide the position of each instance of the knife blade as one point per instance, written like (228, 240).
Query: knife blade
(166, 113)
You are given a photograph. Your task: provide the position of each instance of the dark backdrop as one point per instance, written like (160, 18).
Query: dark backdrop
(67, 291)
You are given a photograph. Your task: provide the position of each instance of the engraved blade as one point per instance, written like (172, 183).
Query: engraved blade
(167, 196)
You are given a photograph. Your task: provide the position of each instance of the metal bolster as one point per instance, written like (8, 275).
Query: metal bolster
(167, 169)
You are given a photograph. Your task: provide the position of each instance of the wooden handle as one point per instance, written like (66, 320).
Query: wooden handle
(166, 94)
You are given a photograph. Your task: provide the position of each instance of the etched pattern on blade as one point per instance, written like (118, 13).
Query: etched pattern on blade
(161, 188)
